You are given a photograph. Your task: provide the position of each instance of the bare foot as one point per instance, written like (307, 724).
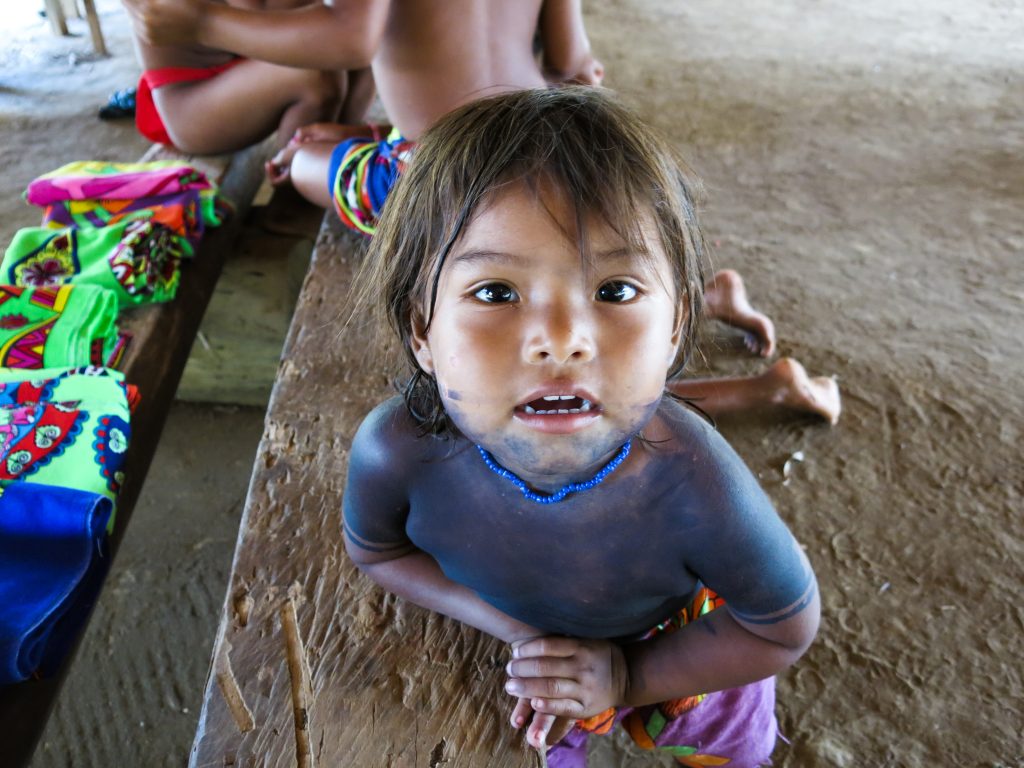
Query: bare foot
(725, 299)
(795, 390)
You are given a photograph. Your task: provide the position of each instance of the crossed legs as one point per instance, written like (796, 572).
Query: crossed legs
(253, 99)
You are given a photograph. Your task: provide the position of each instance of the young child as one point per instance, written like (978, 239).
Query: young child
(536, 482)
(206, 100)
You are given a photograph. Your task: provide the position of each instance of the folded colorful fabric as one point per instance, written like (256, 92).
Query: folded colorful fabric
(98, 180)
(67, 428)
(139, 260)
(186, 213)
(58, 327)
(53, 557)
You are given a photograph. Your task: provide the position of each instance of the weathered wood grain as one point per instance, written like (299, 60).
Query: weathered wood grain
(334, 671)
(162, 338)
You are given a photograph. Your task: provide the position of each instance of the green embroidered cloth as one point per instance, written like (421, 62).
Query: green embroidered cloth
(55, 327)
(65, 427)
(136, 259)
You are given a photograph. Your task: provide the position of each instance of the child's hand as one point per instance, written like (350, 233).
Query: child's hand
(165, 22)
(279, 167)
(567, 677)
(545, 730)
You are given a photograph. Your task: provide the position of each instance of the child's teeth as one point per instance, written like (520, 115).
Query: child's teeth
(585, 407)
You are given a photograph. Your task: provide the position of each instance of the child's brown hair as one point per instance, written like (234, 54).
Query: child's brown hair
(599, 154)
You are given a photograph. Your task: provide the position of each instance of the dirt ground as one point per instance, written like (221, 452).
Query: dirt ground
(863, 165)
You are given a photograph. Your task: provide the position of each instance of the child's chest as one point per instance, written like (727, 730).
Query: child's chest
(615, 548)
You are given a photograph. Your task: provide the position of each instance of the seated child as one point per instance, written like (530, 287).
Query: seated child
(428, 57)
(208, 100)
(544, 294)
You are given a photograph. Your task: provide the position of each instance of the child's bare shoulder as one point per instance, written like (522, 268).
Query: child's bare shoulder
(390, 439)
(686, 447)
(683, 434)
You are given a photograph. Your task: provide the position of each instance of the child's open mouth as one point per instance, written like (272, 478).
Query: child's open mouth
(555, 404)
(560, 413)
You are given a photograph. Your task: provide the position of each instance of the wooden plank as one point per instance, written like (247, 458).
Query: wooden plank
(163, 336)
(313, 664)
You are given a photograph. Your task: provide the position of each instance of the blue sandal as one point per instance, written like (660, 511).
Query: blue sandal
(120, 104)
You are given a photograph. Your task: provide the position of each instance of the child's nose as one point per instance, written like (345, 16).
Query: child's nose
(560, 334)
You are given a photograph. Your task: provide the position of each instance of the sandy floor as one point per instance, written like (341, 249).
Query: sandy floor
(864, 172)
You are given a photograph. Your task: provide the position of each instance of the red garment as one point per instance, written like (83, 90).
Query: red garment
(147, 118)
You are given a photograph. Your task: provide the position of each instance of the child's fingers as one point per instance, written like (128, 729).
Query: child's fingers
(537, 733)
(545, 646)
(521, 713)
(556, 695)
(276, 173)
(545, 687)
(570, 708)
(544, 666)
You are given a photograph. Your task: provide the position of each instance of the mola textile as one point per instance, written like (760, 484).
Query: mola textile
(60, 327)
(67, 428)
(137, 259)
(97, 180)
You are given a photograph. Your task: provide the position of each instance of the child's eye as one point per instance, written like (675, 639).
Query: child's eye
(495, 293)
(616, 290)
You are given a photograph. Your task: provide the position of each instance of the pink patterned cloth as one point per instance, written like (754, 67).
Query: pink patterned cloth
(735, 728)
(94, 180)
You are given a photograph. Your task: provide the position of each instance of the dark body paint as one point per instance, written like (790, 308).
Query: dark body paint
(610, 562)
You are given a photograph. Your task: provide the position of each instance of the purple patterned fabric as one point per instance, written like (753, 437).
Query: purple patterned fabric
(735, 727)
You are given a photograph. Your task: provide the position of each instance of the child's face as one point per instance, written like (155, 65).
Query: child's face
(523, 329)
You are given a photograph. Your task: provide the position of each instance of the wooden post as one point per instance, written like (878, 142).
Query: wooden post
(95, 32)
(55, 15)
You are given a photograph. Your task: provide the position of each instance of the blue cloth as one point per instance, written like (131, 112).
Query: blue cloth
(53, 558)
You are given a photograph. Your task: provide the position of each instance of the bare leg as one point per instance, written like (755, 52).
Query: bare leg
(244, 105)
(785, 384)
(308, 170)
(725, 299)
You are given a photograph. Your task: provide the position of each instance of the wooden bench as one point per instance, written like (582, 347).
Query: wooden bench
(162, 338)
(314, 665)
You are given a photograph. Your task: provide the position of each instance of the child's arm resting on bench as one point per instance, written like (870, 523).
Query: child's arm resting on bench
(375, 508)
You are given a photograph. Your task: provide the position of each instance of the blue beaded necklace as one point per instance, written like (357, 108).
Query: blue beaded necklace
(561, 493)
